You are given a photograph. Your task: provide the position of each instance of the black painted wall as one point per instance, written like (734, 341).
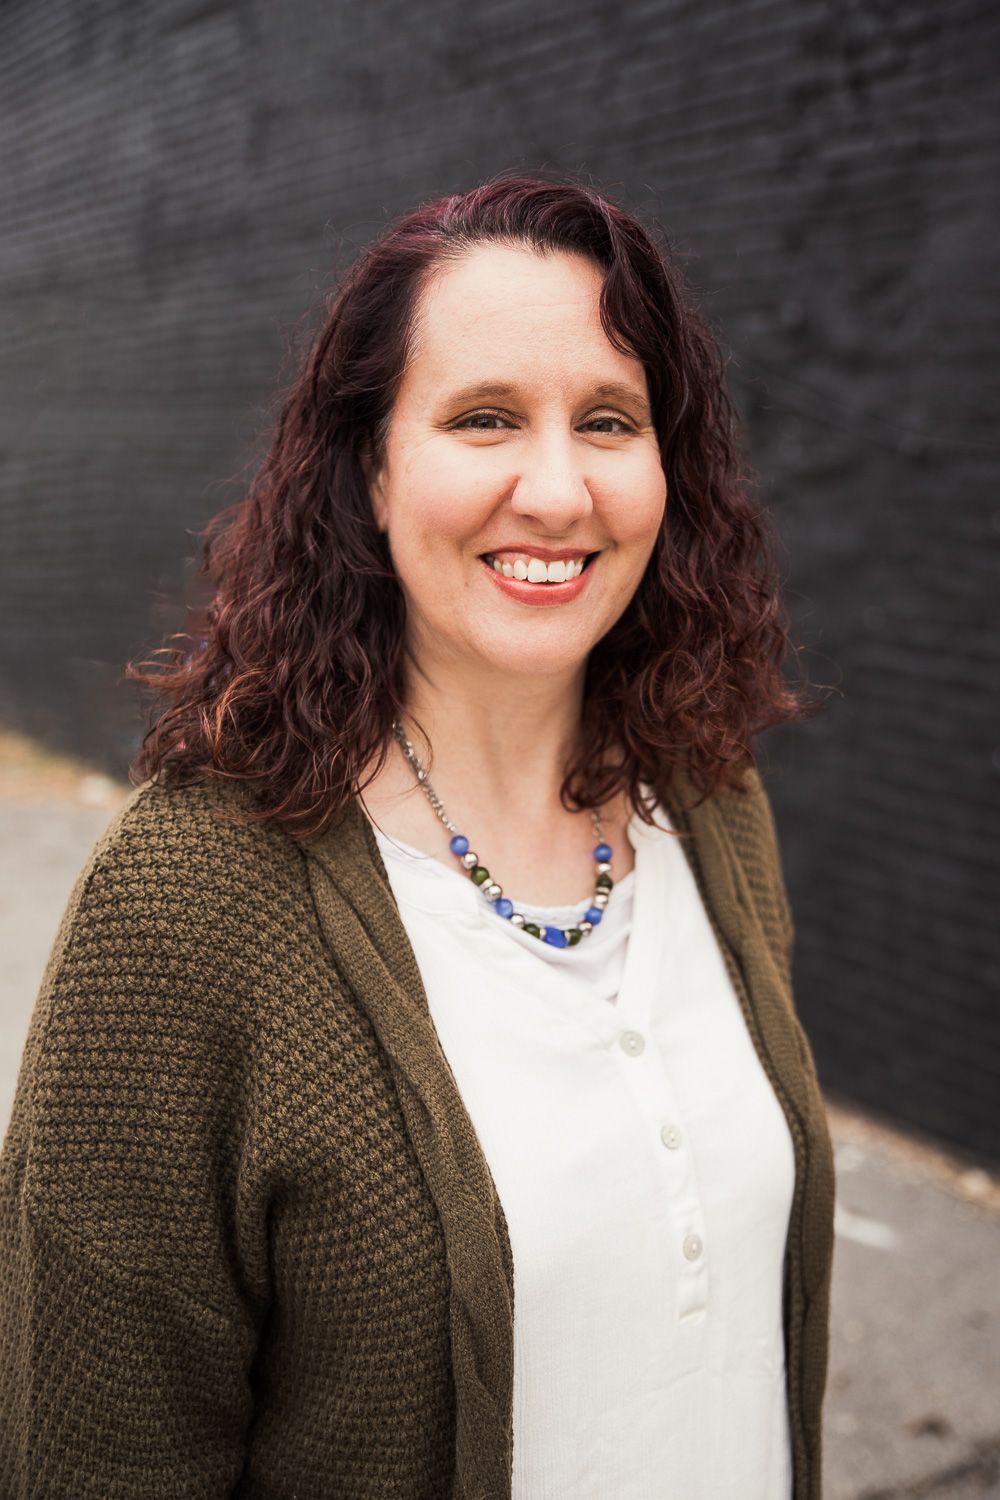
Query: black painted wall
(180, 184)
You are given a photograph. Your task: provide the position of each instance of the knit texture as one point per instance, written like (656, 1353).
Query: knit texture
(249, 1244)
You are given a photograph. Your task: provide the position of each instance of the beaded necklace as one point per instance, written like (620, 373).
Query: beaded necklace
(557, 937)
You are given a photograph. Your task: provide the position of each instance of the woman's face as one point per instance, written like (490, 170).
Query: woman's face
(503, 443)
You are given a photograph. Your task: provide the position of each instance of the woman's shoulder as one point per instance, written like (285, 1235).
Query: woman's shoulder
(179, 805)
(747, 813)
(179, 862)
(743, 809)
(192, 829)
(183, 925)
(738, 822)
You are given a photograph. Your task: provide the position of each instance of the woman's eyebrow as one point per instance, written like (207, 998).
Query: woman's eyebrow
(500, 389)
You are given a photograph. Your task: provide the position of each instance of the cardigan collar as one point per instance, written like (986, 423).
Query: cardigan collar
(365, 932)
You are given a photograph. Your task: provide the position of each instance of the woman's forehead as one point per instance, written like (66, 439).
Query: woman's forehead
(501, 316)
(497, 283)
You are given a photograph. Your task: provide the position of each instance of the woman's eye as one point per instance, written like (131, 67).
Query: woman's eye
(481, 416)
(626, 426)
(495, 416)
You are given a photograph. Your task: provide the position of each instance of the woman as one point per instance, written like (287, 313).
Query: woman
(334, 1169)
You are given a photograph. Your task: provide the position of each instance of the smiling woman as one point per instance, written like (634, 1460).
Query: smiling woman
(543, 484)
(360, 1151)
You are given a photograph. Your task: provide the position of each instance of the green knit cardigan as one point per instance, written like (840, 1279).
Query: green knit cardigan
(249, 1243)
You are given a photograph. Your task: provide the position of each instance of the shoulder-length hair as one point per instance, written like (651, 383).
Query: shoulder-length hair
(291, 678)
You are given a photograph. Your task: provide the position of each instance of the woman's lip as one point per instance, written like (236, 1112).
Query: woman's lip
(508, 555)
(545, 553)
(541, 593)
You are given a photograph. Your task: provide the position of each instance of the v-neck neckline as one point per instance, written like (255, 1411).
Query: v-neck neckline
(647, 887)
(469, 895)
(416, 859)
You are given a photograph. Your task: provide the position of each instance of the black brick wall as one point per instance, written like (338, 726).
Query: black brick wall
(180, 183)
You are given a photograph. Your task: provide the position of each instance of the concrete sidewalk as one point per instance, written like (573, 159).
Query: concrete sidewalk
(913, 1402)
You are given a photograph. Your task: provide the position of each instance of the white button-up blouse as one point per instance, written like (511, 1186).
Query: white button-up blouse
(646, 1174)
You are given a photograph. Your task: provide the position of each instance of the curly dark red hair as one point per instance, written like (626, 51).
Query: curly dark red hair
(291, 678)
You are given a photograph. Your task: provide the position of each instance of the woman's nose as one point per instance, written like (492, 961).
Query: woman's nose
(551, 486)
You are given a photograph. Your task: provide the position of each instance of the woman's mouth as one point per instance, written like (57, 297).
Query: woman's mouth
(532, 580)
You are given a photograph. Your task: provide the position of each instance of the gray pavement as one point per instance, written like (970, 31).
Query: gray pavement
(913, 1403)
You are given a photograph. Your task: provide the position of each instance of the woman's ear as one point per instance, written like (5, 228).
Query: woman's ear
(373, 479)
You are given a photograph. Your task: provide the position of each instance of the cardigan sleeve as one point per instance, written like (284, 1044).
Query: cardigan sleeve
(127, 1317)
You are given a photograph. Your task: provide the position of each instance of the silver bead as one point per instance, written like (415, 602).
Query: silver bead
(604, 867)
(517, 919)
(492, 891)
(585, 926)
(470, 860)
(601, 900)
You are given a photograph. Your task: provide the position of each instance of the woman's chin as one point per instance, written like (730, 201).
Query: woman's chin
(532, 659)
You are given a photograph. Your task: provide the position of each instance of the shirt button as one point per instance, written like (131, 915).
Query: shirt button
(671, 1137)
(692, 1246)
(632, 1042)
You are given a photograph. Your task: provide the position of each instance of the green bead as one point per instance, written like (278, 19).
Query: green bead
(530, 927)
(480, 875)
(603, 881)
(573, 936)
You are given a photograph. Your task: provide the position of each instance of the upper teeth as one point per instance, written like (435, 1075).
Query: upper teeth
(534, 570)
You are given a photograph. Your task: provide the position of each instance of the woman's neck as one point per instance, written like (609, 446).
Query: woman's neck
(508, 751)
(497, 765)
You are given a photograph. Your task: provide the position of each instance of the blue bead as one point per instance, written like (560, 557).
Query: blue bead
(593, 915)
(555, 936)
(603, 852)
(459, 844)
(504, 908)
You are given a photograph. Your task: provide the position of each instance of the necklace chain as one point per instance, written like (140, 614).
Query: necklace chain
(556, 937)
